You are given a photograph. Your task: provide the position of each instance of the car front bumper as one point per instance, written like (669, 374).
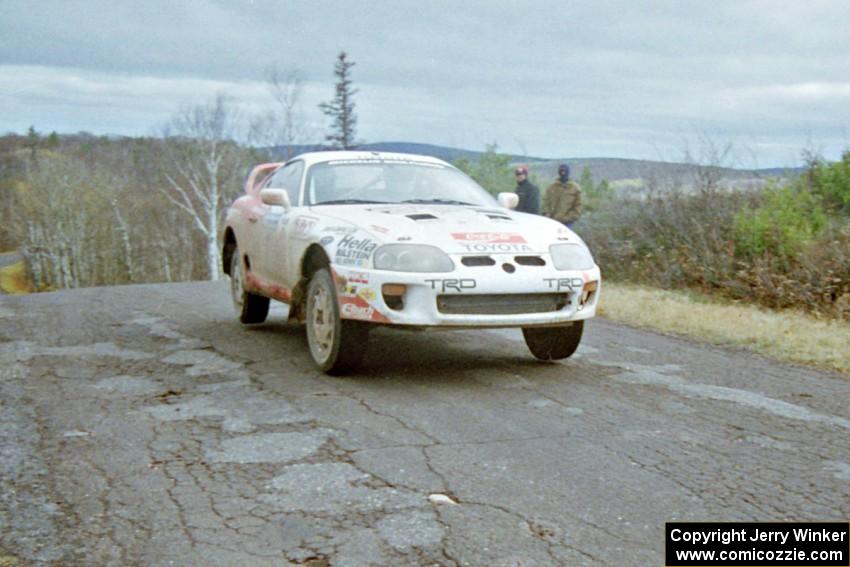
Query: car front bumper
(482, 296)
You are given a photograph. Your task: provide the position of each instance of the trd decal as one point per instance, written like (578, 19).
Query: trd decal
(558, 284)
(456, 285)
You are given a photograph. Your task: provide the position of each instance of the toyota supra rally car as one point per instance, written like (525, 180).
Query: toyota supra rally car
(353, 239)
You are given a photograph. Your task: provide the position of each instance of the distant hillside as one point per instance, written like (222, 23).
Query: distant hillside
(623, 172)
(641, 171)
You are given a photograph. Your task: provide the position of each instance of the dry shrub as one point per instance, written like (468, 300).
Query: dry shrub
(688, 241)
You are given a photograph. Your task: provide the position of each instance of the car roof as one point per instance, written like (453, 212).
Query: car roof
(311, 158)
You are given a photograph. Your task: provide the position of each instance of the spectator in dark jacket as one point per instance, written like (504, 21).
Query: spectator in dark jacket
(529, 194)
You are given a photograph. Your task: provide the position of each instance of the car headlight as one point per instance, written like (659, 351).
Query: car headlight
(571, 257)
(412, 258)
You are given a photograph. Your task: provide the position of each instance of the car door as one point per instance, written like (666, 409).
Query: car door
(276, 223)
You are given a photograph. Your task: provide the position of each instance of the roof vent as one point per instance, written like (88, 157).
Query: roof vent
(421, 216)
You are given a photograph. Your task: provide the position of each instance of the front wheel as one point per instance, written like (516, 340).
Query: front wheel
(553, 343)
(337, 346)
(250, 307)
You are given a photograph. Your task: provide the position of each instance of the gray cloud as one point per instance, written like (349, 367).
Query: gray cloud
(623, 78)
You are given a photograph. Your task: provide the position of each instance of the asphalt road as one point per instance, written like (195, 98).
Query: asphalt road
(143, 425)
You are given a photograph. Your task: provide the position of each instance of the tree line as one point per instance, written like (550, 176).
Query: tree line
(84, 210)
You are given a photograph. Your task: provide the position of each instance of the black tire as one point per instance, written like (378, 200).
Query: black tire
(250, 308)
(337, 346)
(553, 343)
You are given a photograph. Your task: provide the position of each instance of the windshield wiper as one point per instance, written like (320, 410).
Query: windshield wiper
(350, 202)
(438, 202)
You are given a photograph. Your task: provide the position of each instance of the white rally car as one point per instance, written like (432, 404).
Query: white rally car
(355, 239)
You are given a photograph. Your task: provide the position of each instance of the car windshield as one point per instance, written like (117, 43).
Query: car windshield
(391, 181)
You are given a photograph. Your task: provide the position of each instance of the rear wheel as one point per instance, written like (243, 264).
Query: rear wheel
(250, 307)
(553, 343)
(337, 346)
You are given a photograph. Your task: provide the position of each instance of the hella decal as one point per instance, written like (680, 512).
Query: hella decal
(354, 251)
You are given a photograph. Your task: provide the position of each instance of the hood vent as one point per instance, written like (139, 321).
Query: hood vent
(530, 261)
(421, 216)
(494, 214)
(474, 261)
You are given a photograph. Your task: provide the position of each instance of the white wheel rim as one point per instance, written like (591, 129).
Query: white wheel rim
(236, 288)
(321, 323)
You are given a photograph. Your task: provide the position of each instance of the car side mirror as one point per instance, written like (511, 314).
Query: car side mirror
(508, 200)
(278, 197)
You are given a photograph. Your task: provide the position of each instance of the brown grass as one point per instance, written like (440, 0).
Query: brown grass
(13, 279)
(786, 335)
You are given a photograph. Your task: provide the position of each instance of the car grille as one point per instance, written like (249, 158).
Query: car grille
(501, 304)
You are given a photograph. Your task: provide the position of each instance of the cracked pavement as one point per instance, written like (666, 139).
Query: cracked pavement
(144, 425)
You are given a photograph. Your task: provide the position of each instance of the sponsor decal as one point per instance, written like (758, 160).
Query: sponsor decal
(358, 308)
(366, 293)
(490, 237)
(339, 229)
(353, 311)
(354, 251)
(359, 277)
(381, 229)
(303, 225)
(558, 284)
(494, 248)
(453, 284)
(349, 291)
(326, 240)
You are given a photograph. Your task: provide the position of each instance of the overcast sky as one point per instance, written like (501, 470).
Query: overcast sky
(550, 79)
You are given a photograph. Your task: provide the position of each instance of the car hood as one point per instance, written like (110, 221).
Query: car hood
(454, 229)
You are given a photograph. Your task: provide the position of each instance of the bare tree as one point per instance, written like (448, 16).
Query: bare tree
(710, 161)
(60, 223)
(203, 167)
(341, 108)
(284, 126)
